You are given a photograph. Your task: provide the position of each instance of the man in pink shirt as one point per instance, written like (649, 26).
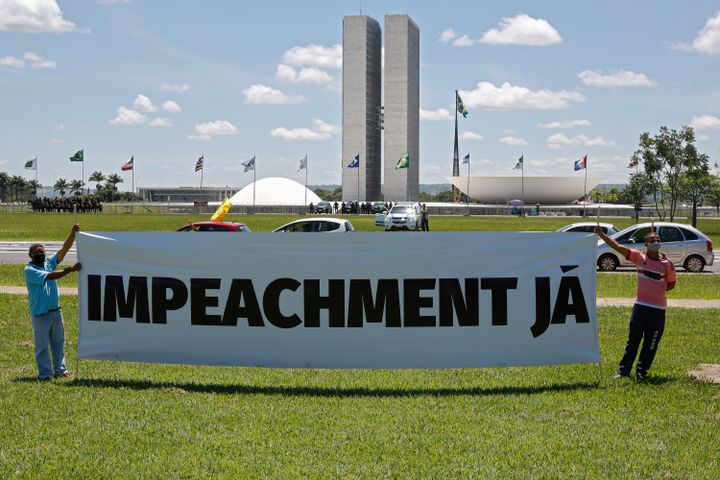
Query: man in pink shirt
(656, 276)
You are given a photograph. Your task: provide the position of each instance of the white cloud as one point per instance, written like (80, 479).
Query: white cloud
(522, 30)
(33, 16)
(620, 78)
(319, 131)
(705, 122)
(11, 61)
(513, 97)
(707, 40)
(464, 41)
(143, 104)
(702, 137)
(170, 106)
(566, 124)
(35, 61)
(314, 75)
(263, 95)
(470, 136)
(127, 116)
(175, 87)
(441, 114)
(160, 122)
(58, 127)
(514, 141)
(447, 35)
(314, 56)
(207, 130)
(559, 140)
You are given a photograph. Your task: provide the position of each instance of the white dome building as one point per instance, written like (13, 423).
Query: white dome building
(275, 191)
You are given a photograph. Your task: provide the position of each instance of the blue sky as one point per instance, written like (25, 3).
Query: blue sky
(167, 82)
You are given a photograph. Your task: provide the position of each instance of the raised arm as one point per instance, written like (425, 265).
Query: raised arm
(68, 243)
(611, 242)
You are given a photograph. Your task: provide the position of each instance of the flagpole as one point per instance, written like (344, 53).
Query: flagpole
(254, 179)
(467, 193)
(36, 171)
(306, 175)
(133, 184)
(202, 171)
(358, 188)
(83, 170)
(456, 164)
(522, 181)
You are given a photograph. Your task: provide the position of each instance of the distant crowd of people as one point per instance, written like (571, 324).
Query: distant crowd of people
(63, 204)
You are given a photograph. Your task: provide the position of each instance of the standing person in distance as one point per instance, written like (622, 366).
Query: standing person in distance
(425, 214)
(44, 300)
(655, 277)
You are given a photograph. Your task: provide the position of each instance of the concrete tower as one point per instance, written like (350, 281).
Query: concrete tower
(362, 43)
(402, 108)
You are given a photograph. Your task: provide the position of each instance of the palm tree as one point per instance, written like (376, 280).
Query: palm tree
(97, 177)
(17, 185)
(4, 183)
(60, 186)
(76, 186)
(33, 186)
(112, 180)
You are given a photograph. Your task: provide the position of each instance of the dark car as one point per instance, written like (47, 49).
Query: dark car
(323, 207)
(214, 227)
(378, 207)
(349, 207)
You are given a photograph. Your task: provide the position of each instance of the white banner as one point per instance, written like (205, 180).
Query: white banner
(354, 300)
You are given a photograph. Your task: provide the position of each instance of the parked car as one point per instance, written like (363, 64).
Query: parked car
(348, 207)
(378, 207)
(684, 245)
(323, 207)
(403, 216)
(214, 227)
(589, 227)
(318, 225)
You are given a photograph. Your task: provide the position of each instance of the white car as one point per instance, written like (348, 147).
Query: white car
(589, 227)
(318, 225)
(684, 245)
(404, 216)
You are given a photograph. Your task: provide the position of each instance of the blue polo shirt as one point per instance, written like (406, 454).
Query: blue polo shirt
(43, 293)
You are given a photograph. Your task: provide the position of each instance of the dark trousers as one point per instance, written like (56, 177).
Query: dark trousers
(647, 325)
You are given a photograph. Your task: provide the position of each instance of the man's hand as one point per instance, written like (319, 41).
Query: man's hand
(75, 228)
(75, 268)
(598, 229)
(68, 243)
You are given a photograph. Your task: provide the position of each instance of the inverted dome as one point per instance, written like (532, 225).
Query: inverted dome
(530, 189)
(275, 191)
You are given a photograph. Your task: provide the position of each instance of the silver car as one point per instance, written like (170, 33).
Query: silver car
(404, 216)
(684, 245)
(315, 225)
(589, 227)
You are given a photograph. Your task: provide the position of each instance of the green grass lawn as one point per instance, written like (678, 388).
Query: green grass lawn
(124, 420)
(56, 226)
(616, 284)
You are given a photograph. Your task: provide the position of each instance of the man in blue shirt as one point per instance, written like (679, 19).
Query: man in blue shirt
(44, 299)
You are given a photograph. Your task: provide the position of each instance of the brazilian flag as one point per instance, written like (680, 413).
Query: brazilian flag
(461, 106)
(78, 157)
(404, 162)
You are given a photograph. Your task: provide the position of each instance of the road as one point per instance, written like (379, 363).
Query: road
(17, 252)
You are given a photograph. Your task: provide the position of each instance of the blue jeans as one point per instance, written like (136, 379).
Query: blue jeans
(49, 336)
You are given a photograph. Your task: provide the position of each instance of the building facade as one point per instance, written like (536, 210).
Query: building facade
(401, 108)
(362, 49)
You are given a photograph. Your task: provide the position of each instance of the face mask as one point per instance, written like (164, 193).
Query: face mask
(39, 258)
(654, 246)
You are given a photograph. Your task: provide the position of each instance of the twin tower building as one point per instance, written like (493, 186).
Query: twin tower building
(366, 113)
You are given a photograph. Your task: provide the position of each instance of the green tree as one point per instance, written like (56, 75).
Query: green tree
(712, 196)
(61, 185)
(76, 187)
(17, 187)
(4, 184)
(635, 192)
(33, 186)
(112, 181)
(97, 177)
(665, 158)
(695, 183)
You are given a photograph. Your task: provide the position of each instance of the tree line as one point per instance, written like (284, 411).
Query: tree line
(15, 188)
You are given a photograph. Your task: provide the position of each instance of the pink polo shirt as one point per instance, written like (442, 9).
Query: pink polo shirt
(653, 277)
